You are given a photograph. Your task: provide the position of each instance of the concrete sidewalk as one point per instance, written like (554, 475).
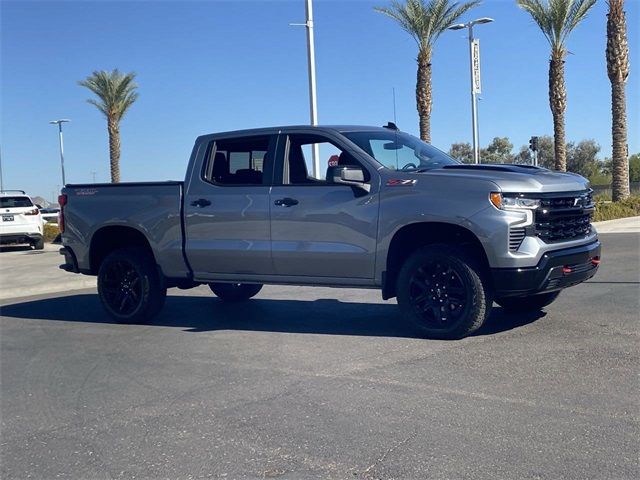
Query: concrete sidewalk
(25, 272)
(620, 225)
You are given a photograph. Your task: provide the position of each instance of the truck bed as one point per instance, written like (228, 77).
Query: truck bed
(152, 208)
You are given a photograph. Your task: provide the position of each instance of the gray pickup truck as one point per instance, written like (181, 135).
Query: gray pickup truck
(391, 213)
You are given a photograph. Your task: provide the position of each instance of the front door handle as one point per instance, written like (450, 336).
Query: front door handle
(201, 202)
(285, 202)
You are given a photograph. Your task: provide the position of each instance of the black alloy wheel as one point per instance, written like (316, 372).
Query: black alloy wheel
(122, 287)
(438, 295)
(443, 291)
(235, 292)
(130, 286)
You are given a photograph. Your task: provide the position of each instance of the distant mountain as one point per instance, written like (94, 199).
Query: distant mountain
(44, 203)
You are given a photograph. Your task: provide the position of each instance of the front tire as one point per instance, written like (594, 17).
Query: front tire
(235, 292)
(443, 292)
(38, 244)
(531, 303)
(130, 287)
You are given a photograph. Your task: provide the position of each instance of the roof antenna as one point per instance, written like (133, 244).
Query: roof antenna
(393, 126)
(395, 120)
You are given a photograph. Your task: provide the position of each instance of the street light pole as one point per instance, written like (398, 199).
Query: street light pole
(474, 66)
(474, 100)
(1, 181)
(59, 123)
(313, 101)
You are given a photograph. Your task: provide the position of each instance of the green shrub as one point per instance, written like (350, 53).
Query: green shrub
(51, 231)
(612, 210)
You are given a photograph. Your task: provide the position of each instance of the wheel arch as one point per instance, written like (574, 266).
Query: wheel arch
(113, 237)
(409, 238)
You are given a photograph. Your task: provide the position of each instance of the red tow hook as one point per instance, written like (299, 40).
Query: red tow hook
(595, 261)
(566, 270)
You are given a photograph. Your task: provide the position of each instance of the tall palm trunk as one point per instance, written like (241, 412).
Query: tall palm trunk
(618, 70)
(558, 104)
(424, 98)
(114, 149)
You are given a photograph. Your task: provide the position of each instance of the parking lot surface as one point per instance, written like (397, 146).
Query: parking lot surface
(324, 383)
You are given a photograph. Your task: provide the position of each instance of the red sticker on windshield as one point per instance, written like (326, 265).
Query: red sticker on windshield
(399, 182)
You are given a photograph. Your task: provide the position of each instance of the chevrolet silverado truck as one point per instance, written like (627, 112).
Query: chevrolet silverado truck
(384, 210)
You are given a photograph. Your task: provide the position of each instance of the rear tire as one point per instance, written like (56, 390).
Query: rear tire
(39, 244)
(530, 303)
(443, 292)
(130, 287)
(235, 292)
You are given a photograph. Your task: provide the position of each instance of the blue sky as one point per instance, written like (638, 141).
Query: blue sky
(213, 66)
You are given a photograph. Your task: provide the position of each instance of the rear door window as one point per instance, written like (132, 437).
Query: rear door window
(240, 161)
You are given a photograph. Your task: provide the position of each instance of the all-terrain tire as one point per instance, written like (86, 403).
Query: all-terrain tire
(444, 292)
(130, 286)
(530, 303)
(235, 292)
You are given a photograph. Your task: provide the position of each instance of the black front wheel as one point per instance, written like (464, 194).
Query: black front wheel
(443, 292)
(130, 287)
(530, 303)
(235, 292)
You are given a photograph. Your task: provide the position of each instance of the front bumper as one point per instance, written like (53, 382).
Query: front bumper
(556, 270)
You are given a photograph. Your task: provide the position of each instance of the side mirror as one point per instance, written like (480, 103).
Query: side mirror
(348, 175)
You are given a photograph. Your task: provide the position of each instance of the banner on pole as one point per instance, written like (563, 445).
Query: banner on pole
(475, 65)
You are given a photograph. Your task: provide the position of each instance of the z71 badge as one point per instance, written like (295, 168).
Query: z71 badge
(399, 182)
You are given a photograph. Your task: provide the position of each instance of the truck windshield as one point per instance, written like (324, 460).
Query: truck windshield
(399, 150)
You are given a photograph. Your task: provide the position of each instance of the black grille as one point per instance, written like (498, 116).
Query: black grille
(566, 217)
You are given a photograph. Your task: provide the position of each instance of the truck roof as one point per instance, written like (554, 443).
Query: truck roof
(286, 128)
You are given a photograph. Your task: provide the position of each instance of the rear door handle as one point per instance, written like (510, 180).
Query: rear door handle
(286, 202)
(201, 202)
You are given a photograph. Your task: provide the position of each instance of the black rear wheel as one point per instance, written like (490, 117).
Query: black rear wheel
(443, 292)
(531, 303)
(235, 292)
(130, 287)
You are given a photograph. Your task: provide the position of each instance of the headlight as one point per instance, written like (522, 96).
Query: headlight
(508, 202)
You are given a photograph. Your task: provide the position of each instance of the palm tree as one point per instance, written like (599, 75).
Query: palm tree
(425, 20)
(618, 70)
(557, 19)
(116, 92)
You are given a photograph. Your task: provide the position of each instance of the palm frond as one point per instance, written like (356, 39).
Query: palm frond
(116, 92)
(425, 20)
(557, 18)
(577, 13)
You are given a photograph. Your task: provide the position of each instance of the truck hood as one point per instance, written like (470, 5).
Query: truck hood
(519, 178)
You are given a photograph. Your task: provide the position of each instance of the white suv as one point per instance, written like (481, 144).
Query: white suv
(21, 220)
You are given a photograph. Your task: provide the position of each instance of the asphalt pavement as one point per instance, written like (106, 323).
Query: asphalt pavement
(323, 383)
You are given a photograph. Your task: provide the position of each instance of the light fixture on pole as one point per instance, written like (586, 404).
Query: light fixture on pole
(59, 123)
(474, 60)
(313, 101)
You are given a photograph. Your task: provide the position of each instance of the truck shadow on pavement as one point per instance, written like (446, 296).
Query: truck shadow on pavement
(202, 314)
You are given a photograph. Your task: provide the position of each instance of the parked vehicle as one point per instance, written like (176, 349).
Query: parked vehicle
(21, 220)
(50, 214)
(446, 239)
